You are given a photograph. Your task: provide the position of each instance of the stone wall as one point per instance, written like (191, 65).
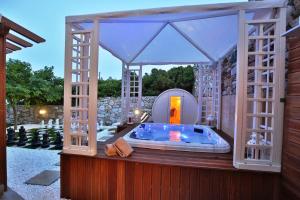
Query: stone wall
(109, 111)
(228, 88)
(30, 114)
(229, 73)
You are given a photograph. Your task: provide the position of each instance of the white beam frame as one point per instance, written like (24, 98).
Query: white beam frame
(140, 88)
(169, 63)
(200, 94)
(219, 93)
(169, 10)
(123, 93)
(240, 76)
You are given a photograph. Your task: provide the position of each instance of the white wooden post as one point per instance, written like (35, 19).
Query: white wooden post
(214, 91)
(67, 84)
(237, 150)
(123, 95)
(219, 93)
(140, 88)
(280, 76)
(127, 92)
(200, 93)
(93, 89)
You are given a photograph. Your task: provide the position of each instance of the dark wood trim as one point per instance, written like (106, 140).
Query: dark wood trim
(3, 175)
(20, 29)
(18, 40)
(7, 47)
(9, 51)
(12, 47)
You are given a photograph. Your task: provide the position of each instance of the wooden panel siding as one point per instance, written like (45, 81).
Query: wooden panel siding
(85, 177)
(156, 174)
(3, 176)
(291, 141)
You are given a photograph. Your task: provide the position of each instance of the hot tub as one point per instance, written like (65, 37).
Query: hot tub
(196, 138)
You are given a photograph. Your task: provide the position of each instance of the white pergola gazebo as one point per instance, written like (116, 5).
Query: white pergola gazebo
(199, 35)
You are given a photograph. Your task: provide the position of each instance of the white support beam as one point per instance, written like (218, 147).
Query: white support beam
(195, 17)
(219, 74)
(207, 16)
(214, 92)
(67, 84)
(280, 62)
(193, 43)
(123, 97)
(200, 93)
(183, 9)
(93, 89)
(127, 92)
(170, 63)
(112, 52)
(238, 122)
(140, 88)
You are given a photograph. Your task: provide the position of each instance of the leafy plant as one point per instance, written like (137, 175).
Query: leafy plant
(52, 134)
(35, 138)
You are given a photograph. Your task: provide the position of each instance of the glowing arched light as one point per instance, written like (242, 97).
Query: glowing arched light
(42, 111)
(137, 112)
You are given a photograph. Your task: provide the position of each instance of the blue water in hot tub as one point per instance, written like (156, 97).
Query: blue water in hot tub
(174, 133)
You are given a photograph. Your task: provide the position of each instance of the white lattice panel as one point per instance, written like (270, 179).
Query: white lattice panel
(259, 121)
(80, 81)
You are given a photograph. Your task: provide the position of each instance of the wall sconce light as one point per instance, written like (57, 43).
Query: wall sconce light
(137, 112)
(42, 111)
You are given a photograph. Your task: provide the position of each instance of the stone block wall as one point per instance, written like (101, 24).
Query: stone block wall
(228, 88)
(30, 114)
(229, 73)
(109, 111)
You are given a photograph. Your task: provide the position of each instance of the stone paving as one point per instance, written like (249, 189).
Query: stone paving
(25, 163)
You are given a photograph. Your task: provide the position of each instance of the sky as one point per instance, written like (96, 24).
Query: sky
(47, 19)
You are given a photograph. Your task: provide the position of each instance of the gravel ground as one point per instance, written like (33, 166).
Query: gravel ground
(23, 164)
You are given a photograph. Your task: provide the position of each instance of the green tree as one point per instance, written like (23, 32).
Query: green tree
(154, 83)
(161, 80)
(25, 87)
(109, 88)
(182, 77)
(45, 87)
(18, 76)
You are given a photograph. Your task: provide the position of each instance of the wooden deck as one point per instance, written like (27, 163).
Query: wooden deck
(157, 174)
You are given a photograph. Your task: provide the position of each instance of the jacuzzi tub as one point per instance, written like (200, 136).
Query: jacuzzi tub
(197, 138)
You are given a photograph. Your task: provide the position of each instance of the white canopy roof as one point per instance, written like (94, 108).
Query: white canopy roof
(182, 36)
